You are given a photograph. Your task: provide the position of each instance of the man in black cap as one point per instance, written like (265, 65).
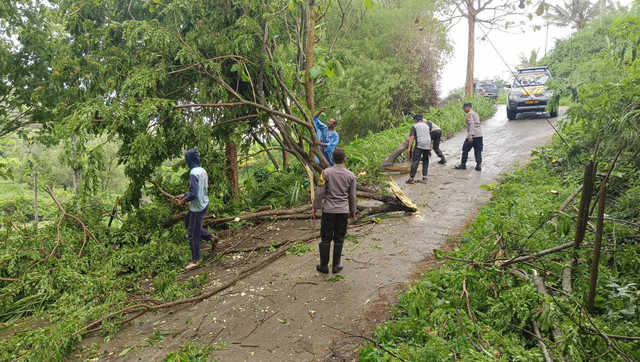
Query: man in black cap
(336, 196)
(473, 140)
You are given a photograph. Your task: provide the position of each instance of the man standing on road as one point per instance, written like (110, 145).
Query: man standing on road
(419, 133)
(198, 205)
(327, 136)
(436, 136)
(337, 188)
(474, 139)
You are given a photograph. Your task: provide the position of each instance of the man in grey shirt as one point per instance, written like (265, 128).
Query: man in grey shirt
(420, 132)
(473, 140)
(336, 195)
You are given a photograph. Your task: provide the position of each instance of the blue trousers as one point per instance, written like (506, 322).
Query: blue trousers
(196, 232)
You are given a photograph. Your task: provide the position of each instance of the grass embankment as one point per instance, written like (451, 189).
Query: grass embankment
(470, 308)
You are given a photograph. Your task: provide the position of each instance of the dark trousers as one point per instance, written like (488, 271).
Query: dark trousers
(196, 232)
(417, 154)
(436, 136)
(477, 146)
(332, 227)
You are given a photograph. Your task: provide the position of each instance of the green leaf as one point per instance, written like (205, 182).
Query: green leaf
(315, 72)
(339, 69)
(368, 4)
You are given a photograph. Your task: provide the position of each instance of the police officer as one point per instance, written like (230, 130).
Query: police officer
(473, 140)
(336, 195)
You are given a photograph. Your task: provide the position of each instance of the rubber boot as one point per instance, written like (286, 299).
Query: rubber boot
(323, 267)
(337, 254)
(463, 160)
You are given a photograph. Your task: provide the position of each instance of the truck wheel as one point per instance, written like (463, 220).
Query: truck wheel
(511, 115)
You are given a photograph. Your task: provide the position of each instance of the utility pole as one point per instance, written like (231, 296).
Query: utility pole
(546, 39)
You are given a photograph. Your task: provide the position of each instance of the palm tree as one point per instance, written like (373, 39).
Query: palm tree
(531, 61)
(576, 13)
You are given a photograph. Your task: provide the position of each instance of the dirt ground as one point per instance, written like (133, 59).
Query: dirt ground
(287, 311)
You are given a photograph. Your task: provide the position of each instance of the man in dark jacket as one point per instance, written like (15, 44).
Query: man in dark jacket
(198, 205)
(336, 195)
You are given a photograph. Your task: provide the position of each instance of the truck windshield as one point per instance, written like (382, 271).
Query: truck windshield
(531, 79)
(487, 87)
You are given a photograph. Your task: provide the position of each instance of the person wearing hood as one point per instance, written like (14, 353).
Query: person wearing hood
(198, 205)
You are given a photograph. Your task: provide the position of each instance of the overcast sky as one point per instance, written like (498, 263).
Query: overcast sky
(487, 61)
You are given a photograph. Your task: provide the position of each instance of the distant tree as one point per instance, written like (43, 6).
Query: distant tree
(502, 15)
(574, 13)
(27, 47)
(530, 61)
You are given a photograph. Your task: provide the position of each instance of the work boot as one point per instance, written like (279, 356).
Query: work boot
(337, 254)
(411, 181)
(323, 267)
(424, 178)
(460, 167)
(478, 168)
(442, 161)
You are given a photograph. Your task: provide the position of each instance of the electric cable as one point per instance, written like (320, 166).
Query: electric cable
(486, 36)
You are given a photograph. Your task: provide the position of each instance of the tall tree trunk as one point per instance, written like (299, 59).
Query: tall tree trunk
(231, 153)
(468, 86)
(595, 260)
(35, 199)
(308, 64)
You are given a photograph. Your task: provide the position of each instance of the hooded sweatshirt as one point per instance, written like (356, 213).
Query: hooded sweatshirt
(198, 182)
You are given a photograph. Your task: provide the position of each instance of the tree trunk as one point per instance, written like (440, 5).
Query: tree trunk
(468, 86)
(585, 200)
(595, 261)
(231, 153)
(285, 160)
(309, 48)
(35, 199)
(402, 148)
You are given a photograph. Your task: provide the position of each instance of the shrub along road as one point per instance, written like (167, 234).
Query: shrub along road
(289, 312)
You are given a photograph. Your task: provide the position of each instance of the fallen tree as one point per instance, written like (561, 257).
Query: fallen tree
(397, 201)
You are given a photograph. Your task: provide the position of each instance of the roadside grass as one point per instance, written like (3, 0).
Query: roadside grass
(471, 309)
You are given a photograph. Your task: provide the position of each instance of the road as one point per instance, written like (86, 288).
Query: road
(289, 312)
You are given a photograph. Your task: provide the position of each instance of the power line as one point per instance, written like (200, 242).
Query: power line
(486, 36)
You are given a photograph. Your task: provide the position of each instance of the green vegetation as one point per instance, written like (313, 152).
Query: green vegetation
(100, 99)
(191, 353)
(474, 306)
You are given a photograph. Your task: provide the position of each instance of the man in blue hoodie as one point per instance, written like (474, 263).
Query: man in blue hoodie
(327, 136)
(198, 205)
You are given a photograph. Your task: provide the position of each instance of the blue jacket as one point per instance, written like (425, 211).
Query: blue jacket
(325, 135)
(198, 182)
